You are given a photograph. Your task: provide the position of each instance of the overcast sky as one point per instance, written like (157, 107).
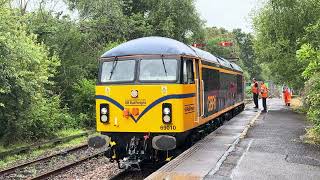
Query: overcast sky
(229, 14)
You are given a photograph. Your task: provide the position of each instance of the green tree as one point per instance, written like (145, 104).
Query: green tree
(216, 35)
(247, 55)
(25, 71)
(241, 49)
(177, 19)
(309, 53)
(77, 50)
(278, 25)
(126, 20)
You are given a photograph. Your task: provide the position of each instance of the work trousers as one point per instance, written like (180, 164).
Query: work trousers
(255, 100)
(264, 104)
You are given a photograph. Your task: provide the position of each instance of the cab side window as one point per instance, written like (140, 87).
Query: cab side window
(188, 74)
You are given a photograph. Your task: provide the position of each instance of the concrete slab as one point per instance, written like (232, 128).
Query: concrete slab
(200, 163)
(205, 155)
(256, 165)
(273, 149)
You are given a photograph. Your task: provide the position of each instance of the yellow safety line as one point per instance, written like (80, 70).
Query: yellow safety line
(221, 70)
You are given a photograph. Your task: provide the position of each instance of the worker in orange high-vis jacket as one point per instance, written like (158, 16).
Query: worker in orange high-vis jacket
(264, 94)
(255, 92)
(287, 96)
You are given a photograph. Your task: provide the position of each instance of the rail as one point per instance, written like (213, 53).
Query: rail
(37, 145)
(65, 167)
(13, 168)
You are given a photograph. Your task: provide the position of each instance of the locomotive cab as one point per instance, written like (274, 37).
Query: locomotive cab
(146, 96)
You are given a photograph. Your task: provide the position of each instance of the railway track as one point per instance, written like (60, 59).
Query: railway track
(65, 167)
(13, 168)
(41, 164)
(41, 144)
(137, 175)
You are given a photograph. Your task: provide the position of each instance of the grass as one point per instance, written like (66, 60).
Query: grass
(13, 146)
(47, 149)
(69, 132)
(297, 105)
(60, 134)
(312, 137)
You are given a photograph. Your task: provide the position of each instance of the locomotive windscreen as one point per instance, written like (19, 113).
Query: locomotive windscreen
(117, 71)
(158, 70)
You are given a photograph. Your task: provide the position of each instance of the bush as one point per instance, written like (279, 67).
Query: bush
(312, 100)
(45, 118)
(26, 67)
(84, 103)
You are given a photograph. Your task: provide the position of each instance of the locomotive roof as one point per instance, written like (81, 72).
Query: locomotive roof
(236, 67)
(150, 45)
(205, 55)
(165, 46)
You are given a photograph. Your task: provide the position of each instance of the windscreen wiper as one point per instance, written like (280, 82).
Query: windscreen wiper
(114, 64)
(164, 66)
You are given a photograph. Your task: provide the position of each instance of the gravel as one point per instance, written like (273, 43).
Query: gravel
(96, 168)
(47, 165)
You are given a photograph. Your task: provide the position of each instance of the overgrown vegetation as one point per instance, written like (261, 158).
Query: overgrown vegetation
(241, 51)
(45, 150)
(48, 57)
(288, 43)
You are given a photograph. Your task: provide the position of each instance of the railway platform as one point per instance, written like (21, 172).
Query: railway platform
(252, 145)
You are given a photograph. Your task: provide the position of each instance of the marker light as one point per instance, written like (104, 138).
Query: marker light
(104, 113)
(134, 93)
(166, 111)
(166, 119)
(104, 118)
(104, 110)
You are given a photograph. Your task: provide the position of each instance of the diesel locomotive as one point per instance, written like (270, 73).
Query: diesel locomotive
(155, 94)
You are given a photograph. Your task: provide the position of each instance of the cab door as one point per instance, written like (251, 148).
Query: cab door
(199, 92)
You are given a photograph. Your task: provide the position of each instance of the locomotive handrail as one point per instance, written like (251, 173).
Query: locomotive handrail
(202, 84)
(198, 100)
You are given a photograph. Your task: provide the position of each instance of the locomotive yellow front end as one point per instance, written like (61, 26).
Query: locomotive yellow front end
(144, 108)
(145, 104)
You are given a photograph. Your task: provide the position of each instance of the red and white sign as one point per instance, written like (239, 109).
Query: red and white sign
(225, 43)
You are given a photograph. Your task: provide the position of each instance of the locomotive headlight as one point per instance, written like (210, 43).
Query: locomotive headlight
(166, 119)
(166, 111)
(104, 110)
(134, 93)
(104, 118)
(104, 113)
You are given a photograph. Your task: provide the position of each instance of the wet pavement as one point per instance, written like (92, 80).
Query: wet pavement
(270, 149)
(207, 155)
(273, 149)
(276, 150)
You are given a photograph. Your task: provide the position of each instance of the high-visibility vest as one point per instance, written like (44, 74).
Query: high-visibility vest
(254, 88)
(264, 91)
(287, 96)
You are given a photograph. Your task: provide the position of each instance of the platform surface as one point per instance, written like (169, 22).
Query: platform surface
(272, 148)
(203, 157)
